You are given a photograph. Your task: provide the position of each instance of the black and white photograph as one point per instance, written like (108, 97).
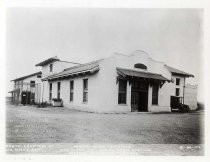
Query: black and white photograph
(104, 81)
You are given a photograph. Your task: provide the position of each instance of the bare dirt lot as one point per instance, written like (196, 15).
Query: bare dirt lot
(27, 124)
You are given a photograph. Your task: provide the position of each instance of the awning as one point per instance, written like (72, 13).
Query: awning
(130, 73)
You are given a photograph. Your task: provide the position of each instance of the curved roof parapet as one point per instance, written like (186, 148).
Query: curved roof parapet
(140, 51)
(178, 72)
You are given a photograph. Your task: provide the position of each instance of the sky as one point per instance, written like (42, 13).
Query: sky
(174, 36)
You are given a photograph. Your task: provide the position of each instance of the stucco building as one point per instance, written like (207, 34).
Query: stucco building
(121, 82)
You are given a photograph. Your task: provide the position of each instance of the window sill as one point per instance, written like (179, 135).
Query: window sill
(122, 104)
(84, 102)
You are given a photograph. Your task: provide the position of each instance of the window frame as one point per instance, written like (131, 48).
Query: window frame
(58, 90)
(51, 67)
(85, 91)
(177, 92)
(50, 91)
(155, 93)
(177, 81)
(32, 85)
(122, 100)
(71, 88)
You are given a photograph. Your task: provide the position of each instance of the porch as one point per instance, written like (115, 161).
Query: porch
(143, 88)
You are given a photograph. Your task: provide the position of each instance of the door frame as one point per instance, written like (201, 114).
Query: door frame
(138, 90)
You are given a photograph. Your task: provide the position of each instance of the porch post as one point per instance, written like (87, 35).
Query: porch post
(149, 98)
(128, 101)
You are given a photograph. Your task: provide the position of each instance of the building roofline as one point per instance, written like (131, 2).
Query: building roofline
(26, 76)
(133, 53)
(70, 62)
(47, 61)
(178, 72)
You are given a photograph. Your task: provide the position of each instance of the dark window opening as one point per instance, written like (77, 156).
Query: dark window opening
(39, 76)
(71, 90)
(59, 89)
(140, 66)
(32, 83)
(177, 81)
(177, 91)
(122, 91)
(155, 89)
(50, 92)
(51, 67)
(85, 90)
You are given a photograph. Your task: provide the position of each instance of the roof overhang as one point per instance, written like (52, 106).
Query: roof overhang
(72, 73)
(27, 76)
(182, 75)
(178, 72)
(130, 74)
(45, 62)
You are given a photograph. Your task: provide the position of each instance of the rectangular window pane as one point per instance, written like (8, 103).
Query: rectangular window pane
(177, 91)
(155, 94)
(71, 90)
(122, 91)
(51, 67)
(32, 83)
(177, 81)
(50, 92)
(85, 90)
(58, 90)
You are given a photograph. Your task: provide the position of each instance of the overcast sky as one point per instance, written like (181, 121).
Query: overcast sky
(174, 36)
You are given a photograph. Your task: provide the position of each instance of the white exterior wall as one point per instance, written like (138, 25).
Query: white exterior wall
(58, 66)
(93, 92)
(103, 89)
(190, 96)
(180, 86)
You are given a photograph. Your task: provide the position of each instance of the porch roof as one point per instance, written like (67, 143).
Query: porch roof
(140, 74)
(88, 68)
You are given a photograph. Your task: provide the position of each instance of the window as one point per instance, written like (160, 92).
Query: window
(155, 89)
(122, 91)
(177, 91)
(32, 83)
(140, 66)
(51, 67)
(50, 91)
(71, 90)
(177, 81)
(85, 90)
(59, 89)
(39, 76)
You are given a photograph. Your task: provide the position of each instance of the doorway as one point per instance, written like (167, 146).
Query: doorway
(139, 96)
(25, 97)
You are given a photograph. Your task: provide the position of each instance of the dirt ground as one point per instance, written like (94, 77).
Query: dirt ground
(28, 124)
